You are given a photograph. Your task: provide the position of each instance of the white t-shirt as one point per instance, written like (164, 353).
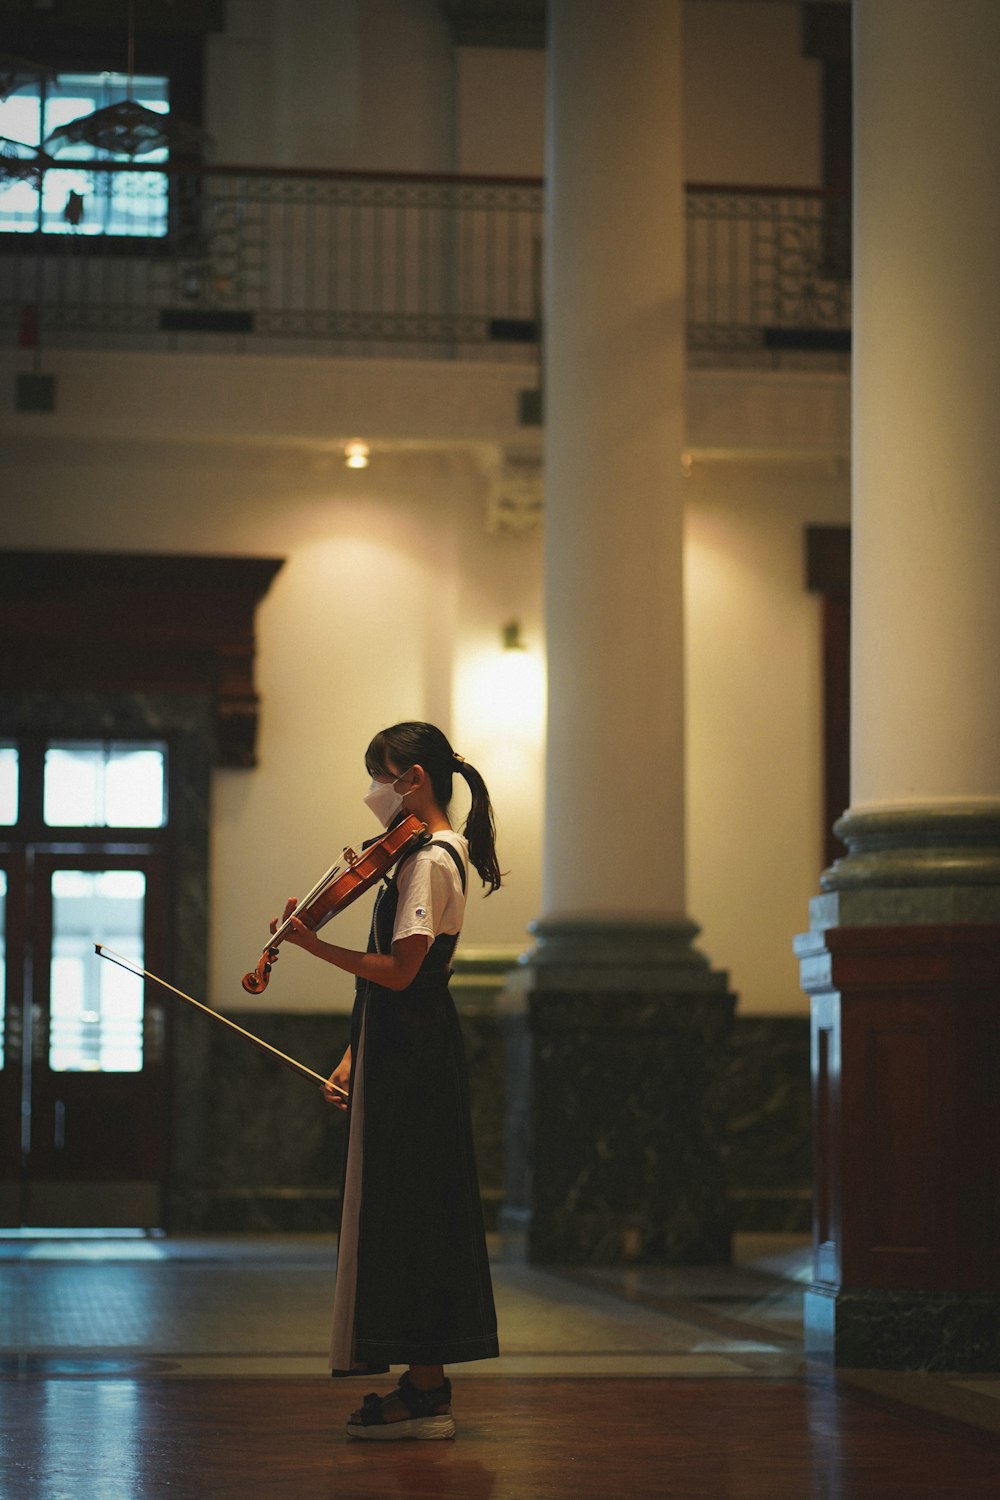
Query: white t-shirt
(431, 898)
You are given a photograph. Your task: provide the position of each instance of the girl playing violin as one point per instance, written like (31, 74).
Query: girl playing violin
(413, 1280)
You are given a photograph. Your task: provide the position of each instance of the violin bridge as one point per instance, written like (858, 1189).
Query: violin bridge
(351, 857)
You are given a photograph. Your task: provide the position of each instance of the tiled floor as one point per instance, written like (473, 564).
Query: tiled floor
(240, 1305)
(227, 1306)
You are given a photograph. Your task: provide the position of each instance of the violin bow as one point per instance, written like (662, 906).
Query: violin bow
(103, 951)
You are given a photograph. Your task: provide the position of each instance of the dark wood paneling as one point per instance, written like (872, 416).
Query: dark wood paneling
(909, 1136)
(898, 1067)
(137, 622)
(828, 560)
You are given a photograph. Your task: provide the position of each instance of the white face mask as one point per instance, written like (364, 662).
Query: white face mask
(383, 799)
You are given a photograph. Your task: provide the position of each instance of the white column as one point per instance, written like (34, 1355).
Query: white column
(926, 383)
(614, 359)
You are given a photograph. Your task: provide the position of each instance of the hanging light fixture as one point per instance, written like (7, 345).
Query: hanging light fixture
(14, 71)
(20, 163)
(128, 128)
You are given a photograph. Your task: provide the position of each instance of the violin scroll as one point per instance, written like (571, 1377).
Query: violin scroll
(255, 983)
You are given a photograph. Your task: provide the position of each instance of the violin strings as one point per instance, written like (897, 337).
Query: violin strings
(317, 889)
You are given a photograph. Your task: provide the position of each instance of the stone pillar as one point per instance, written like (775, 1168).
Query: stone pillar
(616, 1023)
(903, 958)
(614, 393)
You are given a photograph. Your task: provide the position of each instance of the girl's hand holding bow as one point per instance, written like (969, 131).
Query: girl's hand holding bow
(340, 1078)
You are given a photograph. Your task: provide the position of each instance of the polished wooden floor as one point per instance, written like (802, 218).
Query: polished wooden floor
(71, 1438)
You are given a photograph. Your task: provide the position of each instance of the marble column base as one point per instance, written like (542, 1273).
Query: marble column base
(866, 1329)
(616, 1037)
(913, 866)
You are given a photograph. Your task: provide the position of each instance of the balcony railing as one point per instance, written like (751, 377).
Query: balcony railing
(255, 259)
(768, 269)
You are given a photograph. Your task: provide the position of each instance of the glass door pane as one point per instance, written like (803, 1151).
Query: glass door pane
(95, 1149)
(90, 785)
(96, 1018)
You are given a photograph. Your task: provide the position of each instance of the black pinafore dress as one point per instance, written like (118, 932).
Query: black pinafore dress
(413, 1277)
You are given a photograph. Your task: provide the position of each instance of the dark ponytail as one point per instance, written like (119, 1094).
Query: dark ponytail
(480, 828)
(417, 744)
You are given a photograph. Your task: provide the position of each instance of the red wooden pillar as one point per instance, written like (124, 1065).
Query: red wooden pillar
(906, 1093)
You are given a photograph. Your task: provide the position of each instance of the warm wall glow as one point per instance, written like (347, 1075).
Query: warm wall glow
(502, 694)
(356, 454)
(499, 725)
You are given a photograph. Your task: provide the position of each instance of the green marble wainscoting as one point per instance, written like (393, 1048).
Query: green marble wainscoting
(260, 1150)
(883, 1328)
(767, 1104)
(616, 1036)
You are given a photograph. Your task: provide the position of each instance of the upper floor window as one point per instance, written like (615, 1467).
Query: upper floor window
(72, 200)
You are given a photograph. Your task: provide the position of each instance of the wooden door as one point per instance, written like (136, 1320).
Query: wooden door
(83, 1121)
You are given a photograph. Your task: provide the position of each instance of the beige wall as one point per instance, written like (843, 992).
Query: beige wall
(754, 720)
(500, 111)
(349, 84)
(376, 85)
(751, 100)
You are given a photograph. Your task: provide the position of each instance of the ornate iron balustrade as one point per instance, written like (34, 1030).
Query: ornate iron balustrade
(357, 263)
(767, 269)
(257, 259)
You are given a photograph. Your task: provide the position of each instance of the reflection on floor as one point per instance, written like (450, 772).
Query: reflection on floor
(148, 1315)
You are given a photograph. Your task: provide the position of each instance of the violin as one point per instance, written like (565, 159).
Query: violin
(339, 887)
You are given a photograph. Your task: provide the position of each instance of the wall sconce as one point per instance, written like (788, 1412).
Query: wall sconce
(510, 636)
(500, 693)
(356, 454)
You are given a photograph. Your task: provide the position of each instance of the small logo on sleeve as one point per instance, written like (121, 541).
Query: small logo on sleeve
(421, 911)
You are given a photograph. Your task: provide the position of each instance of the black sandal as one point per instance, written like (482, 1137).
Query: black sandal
(430, 1414)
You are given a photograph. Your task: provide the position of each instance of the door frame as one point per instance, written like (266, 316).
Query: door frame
(185, 723)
